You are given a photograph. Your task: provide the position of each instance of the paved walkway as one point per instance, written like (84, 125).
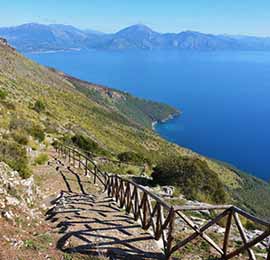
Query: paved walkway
(90, 223)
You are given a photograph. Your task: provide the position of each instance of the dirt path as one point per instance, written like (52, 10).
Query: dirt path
(90, 223)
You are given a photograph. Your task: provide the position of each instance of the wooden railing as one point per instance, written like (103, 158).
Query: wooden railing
(162, 220)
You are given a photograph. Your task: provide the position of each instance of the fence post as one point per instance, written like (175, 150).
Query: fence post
(227, 233)
(69, 156)
(79, 161)
(86, 165)
(95, 175)
(170, 235)
(74, 158)
(268, 256)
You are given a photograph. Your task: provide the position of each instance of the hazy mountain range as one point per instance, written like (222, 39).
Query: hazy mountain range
(38, 37)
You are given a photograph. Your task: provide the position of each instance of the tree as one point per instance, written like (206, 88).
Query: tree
(193, 176)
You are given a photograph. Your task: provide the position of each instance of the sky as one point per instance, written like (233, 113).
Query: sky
(249, 17)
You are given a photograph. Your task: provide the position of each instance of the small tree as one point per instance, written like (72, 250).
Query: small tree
(192, 176)
(39, 106)
(132, 157)
(85, 143)
(37, 132)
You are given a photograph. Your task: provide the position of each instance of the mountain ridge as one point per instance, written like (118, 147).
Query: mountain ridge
(39, 37)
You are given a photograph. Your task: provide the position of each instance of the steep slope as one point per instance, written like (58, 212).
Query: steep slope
(117, 121)
(38, 37)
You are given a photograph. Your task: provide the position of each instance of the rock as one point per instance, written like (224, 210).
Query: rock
(16, 192)
(2, 204)
(168, 190)
(12, 201)
(8, 215)
(3, 41)
(16, 243)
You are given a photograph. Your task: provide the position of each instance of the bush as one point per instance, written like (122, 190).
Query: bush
(132, 157)
(15, 156)
(22, 124)
(37, 132)
(84, 143)
(3, 94)
(20, 137)
(41, 158)
(19, 124)
(39, 106)
(193, 176)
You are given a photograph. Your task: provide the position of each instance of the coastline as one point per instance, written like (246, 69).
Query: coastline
(162, 121)
(53, 51)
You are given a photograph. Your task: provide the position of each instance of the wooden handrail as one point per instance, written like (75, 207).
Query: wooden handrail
(109, 160)
(159, 217)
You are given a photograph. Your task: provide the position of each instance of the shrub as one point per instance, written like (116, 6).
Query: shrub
(37, 132)
(15, 156)
(132, 157)
(3, 94)
(130, 172)
(41, 158)
(19, 124)
(39, 106)
(84, 143)
(249, 225)
(193, 176)
(9, 105)
(20, 137)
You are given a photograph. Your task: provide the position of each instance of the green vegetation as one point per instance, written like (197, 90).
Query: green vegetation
(192, 176)
(37, 132)
(121, 169)
(15, 156)
(84, 143)
(25, 126)
(41, 158)
(88, 145)
(252, 195)
(130, 109)
(20, 137)
(3, 94)
(39, 106)
(132, 157)
(39, 242)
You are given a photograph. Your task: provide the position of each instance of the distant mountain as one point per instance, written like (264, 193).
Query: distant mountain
(38, 37)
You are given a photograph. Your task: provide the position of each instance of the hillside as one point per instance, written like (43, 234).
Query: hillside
(38, 37)
(38, 104)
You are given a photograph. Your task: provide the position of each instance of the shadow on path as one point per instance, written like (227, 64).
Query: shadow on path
(95, 225)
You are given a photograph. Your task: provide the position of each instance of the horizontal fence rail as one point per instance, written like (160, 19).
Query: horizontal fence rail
(161, 219)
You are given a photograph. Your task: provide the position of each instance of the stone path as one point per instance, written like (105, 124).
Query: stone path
(90, 223)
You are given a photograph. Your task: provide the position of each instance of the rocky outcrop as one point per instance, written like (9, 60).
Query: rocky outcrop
(3, 41)
(16, 194)
(4, 44)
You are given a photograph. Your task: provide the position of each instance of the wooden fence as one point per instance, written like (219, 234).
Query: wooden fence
(161, 219)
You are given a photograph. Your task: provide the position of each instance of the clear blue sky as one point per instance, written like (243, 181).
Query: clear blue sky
(212, 16)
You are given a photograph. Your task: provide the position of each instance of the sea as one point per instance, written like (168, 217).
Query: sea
(224, 96)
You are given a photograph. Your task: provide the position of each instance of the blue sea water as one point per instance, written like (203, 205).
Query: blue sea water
(224, 96)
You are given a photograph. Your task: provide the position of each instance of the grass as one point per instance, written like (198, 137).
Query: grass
(41, 159)
(39, 242)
